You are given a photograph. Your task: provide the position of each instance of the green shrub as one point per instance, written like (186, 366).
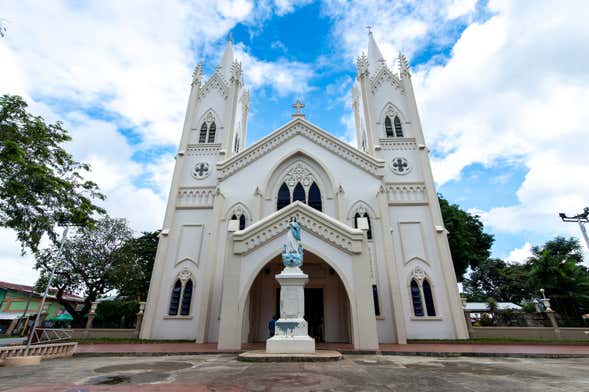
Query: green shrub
(116, 314)
(528, 307)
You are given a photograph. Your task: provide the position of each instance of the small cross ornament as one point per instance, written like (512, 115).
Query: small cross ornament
(298, 105)
(400, 166)
(201, 170)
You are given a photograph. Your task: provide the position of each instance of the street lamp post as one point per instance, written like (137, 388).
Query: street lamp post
(581, 219)
(55, 265)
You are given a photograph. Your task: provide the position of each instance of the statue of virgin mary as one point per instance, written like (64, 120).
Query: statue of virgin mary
(292, 255)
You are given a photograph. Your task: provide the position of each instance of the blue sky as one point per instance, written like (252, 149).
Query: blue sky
(501, 102)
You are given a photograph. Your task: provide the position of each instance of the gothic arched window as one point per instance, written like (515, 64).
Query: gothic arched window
(175, 298)
(298, 193)
(416, 299)
(283, 197)
(388, 126)
(212, 131)
(429, 299)
(202, 138)
(398, 127)
(242, 222)
(186, 298)
(315, 197)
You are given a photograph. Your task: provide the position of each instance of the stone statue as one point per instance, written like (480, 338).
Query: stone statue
(292, 253)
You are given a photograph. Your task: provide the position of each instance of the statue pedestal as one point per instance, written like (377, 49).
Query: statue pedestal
(292, 332)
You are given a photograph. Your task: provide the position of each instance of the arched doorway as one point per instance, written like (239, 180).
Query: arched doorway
(327, 307)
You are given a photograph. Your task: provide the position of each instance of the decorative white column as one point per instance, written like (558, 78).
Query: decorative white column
(292, 331)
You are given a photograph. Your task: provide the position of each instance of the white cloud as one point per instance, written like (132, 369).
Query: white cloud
(399, 25)
(14, 267)
(460, 8)
(520, 255)
(282, 76)
(132, 61)
(519, 98)
(286, 6)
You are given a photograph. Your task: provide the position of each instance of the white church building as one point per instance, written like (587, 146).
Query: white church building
(230, 205)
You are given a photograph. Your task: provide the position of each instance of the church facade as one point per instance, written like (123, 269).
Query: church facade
(376, 250)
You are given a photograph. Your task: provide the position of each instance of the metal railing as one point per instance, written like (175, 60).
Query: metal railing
(50, 335)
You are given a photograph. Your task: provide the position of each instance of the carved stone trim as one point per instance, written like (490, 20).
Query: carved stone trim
(405, 144)
(195, 197)
(184, 276)
(299, 172)
(418, 274)
(215, 82)
(203, 149)
(332, 231)
(300, 127)
(384, 75)
(408, 193)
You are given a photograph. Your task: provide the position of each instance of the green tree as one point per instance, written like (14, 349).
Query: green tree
(132, 277)
(497, 279)
(556, 267)
(41, 185)
(87, 265)
(469, 244)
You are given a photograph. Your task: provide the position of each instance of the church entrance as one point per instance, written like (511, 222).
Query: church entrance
(327, 306)
(314, 313)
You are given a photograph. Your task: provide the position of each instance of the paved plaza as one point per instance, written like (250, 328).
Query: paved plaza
(222, 372)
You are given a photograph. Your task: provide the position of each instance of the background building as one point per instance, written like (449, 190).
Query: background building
(19, 303)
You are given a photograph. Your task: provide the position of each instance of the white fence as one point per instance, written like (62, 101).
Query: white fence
(53, 350)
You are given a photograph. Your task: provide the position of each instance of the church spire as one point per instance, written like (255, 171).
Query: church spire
(375, 57)
(227, 59)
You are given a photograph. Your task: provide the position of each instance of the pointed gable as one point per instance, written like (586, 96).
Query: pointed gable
(300, 126)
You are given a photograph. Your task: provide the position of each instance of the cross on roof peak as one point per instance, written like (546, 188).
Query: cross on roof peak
(298, 105)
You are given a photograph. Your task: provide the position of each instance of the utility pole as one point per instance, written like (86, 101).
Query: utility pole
(55, 265)
(581, 219)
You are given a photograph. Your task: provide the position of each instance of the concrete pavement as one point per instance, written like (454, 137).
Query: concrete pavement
(433, 349)
(222, 372)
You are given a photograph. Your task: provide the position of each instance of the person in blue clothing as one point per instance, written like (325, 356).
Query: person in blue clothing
(272, 326)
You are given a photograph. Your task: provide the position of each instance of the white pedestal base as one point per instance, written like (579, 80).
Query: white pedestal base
(290, 345)
(292, 332)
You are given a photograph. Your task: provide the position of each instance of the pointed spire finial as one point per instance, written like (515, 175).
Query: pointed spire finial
(230, 36)
(369, 29)
(362, 65)
(404, 69)
(197, 74)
